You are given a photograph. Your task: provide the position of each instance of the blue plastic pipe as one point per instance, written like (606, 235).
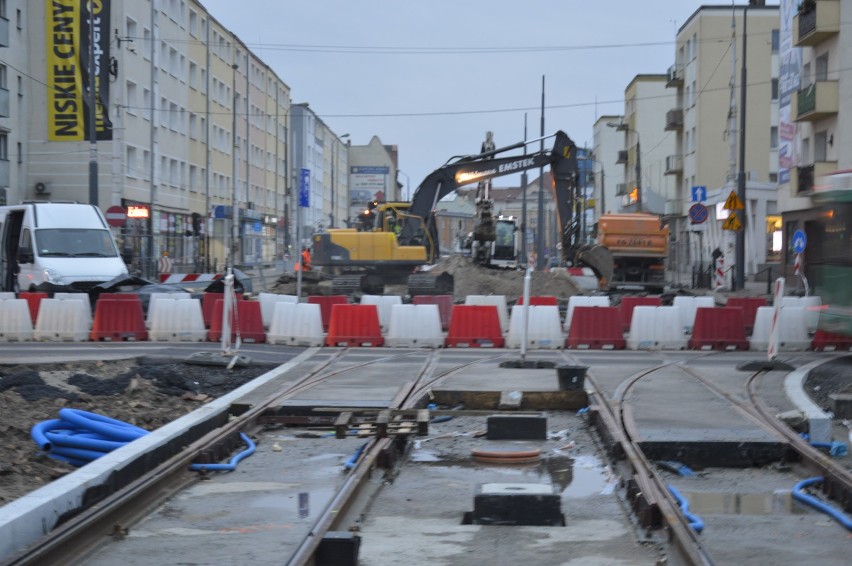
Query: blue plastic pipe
(110, 428)
(835, 514)
(695, 521)
(232, 464)
(350, 463)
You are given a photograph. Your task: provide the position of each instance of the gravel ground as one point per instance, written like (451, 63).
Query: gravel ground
(139, 391)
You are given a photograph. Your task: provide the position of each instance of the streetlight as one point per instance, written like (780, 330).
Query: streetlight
(625, 128)
(407, 192)
(333, 171)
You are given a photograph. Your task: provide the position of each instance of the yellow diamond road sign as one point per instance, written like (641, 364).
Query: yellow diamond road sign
(732, 223)
(733, 202)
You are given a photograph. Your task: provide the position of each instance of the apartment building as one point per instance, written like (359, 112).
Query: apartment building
(609, 175)
(650, 154)
(193, 136)
(816, 107)
(705, 121)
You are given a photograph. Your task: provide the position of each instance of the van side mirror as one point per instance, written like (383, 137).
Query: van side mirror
(25, 256)
(127, 256)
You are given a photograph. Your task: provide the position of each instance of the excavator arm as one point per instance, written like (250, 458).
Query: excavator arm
(419, 225)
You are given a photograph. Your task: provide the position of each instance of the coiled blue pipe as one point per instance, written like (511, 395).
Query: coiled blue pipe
(835, 514)
(232, 464)
(78, 437)
(695, 521)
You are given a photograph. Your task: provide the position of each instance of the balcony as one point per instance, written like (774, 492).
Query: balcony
(622, 157)
(622, 189)
(674, 165)
(802, 178)
(4, 32)
(817, 101)
(4, 103)
(817, 24)
(675, 76)
(674, 119)
(4, 172)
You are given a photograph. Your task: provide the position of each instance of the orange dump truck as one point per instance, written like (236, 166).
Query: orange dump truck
(639, 245)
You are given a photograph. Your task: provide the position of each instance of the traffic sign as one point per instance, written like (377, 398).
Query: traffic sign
(698, 213)
(733, 202)
(800, 240)
(699, 193)
(732, 223)
(116, 216)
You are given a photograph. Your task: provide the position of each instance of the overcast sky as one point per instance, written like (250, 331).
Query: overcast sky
(431, 77)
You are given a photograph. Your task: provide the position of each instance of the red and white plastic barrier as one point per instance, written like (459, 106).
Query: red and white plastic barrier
(173, 278)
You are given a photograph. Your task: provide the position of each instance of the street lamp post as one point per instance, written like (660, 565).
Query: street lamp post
(625, 128)
(406, 195)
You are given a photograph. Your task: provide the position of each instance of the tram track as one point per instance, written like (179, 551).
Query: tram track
(655, 507)
(114, 515)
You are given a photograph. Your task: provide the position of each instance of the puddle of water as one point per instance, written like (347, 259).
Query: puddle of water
(579, 477)
(712, 503)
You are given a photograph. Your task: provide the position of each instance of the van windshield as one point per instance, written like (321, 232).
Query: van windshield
(74, 242)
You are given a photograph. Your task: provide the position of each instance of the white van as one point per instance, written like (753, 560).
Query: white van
(56, 246)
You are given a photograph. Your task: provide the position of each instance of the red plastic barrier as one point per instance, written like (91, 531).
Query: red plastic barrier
(118, 318)
(248, 321)
(749, 306)
(326, 303)
(33, 302)
(445, 306)
(475, 326)
(208, 303)
(629, 303)
(540, 301)
(718, 329)
(830, 341)
(354, 325)
(596, 328)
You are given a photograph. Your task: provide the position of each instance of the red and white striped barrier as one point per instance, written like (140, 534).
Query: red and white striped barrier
(171, 278)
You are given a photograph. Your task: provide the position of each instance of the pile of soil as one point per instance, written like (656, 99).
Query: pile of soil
(143, 392)
(471, 279)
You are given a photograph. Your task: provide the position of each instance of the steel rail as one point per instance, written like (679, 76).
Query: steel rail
(647, 492)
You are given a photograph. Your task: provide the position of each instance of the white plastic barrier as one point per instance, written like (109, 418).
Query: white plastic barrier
(582, 301)
(267, 305)
(498, 301)
(6, 295)
(688, 307)
(811, 306)
(152, 300)
(63, 320)
(78, 297)
(544, 331)
(792, 329)
(656, 328)
(384, 304)
(415, 326)
(296, 324)
(16, 325)
(176, 319)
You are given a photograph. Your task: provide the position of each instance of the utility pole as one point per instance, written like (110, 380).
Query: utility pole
(93, 110)
(739, 280)
(539, 250)
(524, 257)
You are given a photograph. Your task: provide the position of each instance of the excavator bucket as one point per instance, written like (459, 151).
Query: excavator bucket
(599, 259)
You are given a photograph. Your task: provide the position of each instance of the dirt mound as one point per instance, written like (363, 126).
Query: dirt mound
(471, 279)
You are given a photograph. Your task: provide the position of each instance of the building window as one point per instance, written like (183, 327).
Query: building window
(820, 146)
(132, 162)
(4, 146)
(131, 98)
(773, 177)
(773, 137)
(19, 19)
(774, 87)
(775, 40)
(20, 152)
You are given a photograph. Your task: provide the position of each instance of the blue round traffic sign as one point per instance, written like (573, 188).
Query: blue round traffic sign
(698, 213)
(800, 240)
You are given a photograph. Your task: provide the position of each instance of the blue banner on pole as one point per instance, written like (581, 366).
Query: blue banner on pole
(304, 188)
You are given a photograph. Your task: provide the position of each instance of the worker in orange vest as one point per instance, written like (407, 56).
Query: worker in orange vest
(306, 259)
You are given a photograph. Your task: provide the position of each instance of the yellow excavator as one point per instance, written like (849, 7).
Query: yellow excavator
(394, 240)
